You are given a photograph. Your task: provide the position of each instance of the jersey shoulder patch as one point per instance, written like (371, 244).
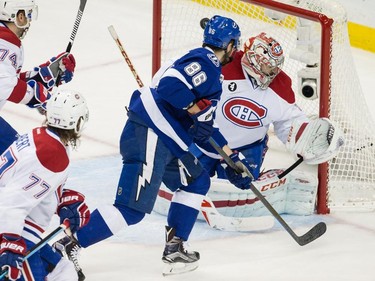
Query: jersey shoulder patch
(233, 70)
(7, 35)
(282, 86)
(50, 152)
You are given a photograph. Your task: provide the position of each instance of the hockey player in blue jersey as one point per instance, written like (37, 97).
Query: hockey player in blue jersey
(163, 121)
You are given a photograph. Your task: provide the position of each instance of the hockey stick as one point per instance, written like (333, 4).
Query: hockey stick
(115, 37)
(292, 167)
(314, 233)
(41, 243)
(76, 24)
(209, 211)
(241, 224)
(77, 21)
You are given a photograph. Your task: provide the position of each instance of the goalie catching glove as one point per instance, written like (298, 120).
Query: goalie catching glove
(73, 208)
(47, 73)
(241, 180)
(316, 141)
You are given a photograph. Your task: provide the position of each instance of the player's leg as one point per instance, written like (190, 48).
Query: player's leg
(144, 161)
(35, 268)
(183, 212)
(58, 268)
(63, 271)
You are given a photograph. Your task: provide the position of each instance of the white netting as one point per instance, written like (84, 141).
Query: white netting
(352, 172)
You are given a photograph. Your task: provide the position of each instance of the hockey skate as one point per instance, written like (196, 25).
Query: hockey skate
(176, 257)
(69, 247)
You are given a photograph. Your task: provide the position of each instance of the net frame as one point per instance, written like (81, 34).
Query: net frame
(336, 176)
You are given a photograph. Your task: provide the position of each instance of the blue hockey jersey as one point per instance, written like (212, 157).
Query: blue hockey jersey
(194, 76)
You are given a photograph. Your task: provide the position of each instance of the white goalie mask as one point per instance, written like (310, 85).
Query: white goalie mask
(263, 59)
(10, 8)
(67, 110)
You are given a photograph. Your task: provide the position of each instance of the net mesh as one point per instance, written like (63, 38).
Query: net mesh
(351, 175)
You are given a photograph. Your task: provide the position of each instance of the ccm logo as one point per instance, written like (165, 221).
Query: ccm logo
(273, 185)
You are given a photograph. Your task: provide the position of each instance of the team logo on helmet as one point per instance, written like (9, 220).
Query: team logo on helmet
(244, 112)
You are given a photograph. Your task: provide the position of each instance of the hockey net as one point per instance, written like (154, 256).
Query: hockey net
(311, 32)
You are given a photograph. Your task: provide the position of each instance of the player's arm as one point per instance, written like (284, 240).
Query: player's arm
(31, 93)
(12, 252)
(62, 65)
(289, 114)
(72, 207)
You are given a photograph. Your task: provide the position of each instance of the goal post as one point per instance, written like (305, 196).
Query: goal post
(314, 37)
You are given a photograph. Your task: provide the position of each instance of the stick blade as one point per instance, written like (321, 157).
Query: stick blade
(313, 234)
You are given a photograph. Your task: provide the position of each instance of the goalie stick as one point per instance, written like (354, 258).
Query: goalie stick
(77, 21)
(41, 243)
(314, 233)
(240, 224)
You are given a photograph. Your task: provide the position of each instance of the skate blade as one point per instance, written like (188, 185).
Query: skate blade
(179, 268)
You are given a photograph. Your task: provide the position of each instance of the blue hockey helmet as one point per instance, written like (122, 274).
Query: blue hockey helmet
(219, 32)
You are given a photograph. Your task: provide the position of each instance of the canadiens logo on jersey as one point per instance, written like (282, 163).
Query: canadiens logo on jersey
(244, 112)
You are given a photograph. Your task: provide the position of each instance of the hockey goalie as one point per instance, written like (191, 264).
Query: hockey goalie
(258, 94)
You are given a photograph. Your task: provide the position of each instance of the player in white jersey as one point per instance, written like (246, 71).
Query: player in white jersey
(163, 122)
(256, 94)
(31, 87)
(33, 172)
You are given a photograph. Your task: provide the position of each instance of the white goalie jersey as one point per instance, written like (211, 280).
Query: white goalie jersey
(245, 111)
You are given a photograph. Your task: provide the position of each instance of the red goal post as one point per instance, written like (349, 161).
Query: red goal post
(304, 28)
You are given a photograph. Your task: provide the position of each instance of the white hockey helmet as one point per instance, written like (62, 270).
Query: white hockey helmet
(10, 8)
(67, 110)
(263, 59)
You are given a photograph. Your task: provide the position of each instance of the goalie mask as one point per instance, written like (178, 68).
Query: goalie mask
(10, 8)
(67, 110)
(263, 59)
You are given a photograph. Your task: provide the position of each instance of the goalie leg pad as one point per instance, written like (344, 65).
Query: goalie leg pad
(294, 194)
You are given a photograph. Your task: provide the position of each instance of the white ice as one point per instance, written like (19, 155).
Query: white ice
(345, 252)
